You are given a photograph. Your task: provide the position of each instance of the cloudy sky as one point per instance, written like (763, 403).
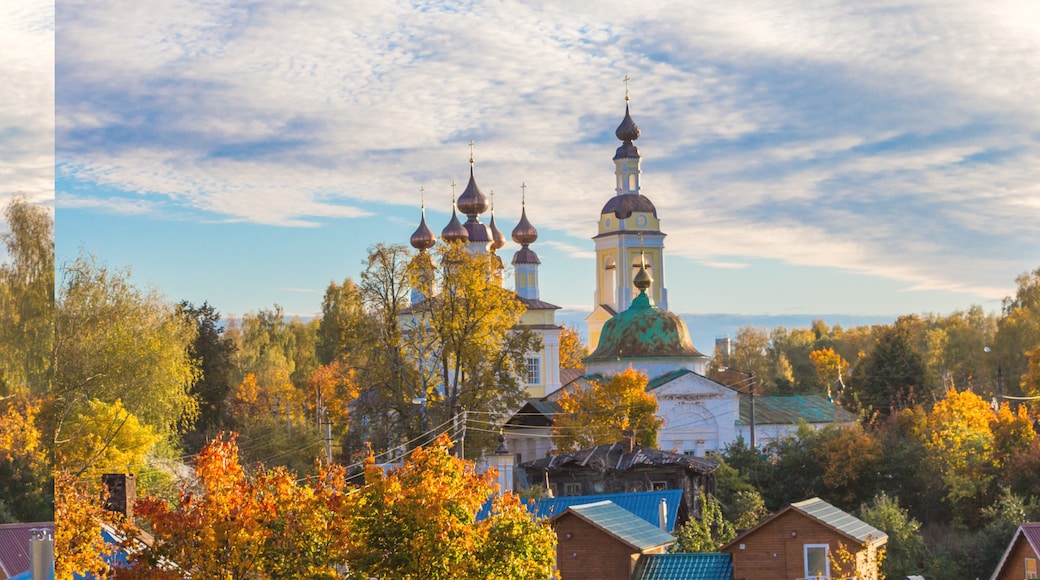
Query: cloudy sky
(815, 156)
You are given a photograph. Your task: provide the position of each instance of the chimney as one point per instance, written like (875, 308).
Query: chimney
(122, 493)
(628, 440)
(662, 514)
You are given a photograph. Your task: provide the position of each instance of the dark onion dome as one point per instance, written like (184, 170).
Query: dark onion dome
(423, 239)
(472, 202)
(525, 255)
(623, 205)
(642, 281)
(627, 132)
(454, 231)
(498, 239)
(524, 233)
(644, 331)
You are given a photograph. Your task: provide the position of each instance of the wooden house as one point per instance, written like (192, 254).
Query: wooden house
(1020, 560)
(800, 541)
(604, 541)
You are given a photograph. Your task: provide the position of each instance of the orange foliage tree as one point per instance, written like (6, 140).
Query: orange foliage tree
(418, 521)
(78, 516)
(597, 414)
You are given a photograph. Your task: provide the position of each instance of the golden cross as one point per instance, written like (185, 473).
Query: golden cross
(452, 192)
(492, 202)
(626, 79)
(523, 193)
(471, 152)
(422, 198)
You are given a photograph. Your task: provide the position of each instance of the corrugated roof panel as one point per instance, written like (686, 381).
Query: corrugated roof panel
(839, 520)
(622, 524)
(1032, 533)
(684, 567)
(792, 410)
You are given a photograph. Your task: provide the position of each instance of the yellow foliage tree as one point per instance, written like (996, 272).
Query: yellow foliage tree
(830, 367)
(597, 414)
(572, 349)
(78, 545)
(105, 438)
(25, 465)
(960, 438)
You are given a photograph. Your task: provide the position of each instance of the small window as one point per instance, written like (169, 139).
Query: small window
(1031, 568)
(659, 485)
(572, 489)
(534, 371)
(817, 564)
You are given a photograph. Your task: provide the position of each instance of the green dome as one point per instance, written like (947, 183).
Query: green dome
(644, 331)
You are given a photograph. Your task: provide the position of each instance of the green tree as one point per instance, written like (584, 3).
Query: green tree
(213, 353)
(1018, 332)
(707, 534)
(27, 299)
(599, 413)
(345, 330)
(905, 552)
(892, 374)
(116, 342)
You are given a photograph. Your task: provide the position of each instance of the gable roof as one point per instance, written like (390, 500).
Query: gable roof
(827, 515)
(14, 546)
(643, 504)
(790, 410)
(684, 566)
(1029, 532)
(614, 457)
(621, 524)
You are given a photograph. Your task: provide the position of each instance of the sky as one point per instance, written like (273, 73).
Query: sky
(805, 157)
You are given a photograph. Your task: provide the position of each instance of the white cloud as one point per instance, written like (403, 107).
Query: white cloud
(895, 139)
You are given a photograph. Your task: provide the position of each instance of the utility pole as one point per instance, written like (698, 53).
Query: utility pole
(1000, 386)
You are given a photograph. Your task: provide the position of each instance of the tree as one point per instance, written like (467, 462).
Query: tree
(830, 369)
(109, 439)
(116, 342)
(597, 414)
(345, 330)
(418, 521)
(905, 552)
(707, 534)
(960, 438)
(1018, 330)
(213, 352)
(892, 374)
(78, 516)
(25, 464)
(572, 349)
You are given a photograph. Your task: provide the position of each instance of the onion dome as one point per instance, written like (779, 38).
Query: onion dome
(472, 202)
(454, 231)
(524, 233)
(644, 331)
(423, 238)
(627, 132)
(498, 239)
(476, 231)
(642, 281)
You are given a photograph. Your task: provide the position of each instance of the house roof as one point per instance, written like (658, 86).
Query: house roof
(614, 457)
(793, 410)
(14, 546)
(1029, 532)
(568, 375)
(828, 515)
(620, 523)
(644, 504)
(534, 413)
(684, 567)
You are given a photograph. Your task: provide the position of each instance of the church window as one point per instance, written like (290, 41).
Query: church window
(632, 181)
(534, 371)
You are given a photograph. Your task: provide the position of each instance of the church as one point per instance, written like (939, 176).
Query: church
(629, 326)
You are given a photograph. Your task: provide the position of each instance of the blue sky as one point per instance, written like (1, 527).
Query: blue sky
(805, 157)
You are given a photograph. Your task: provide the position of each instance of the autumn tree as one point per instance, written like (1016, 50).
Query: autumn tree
(116, 342)
(1018, 333)
(960, 438)
(830, 369)
(598, 413)
(572, 349)
(419, 521)
(79, 548)
(345, 330)
(27, 299)
(25, 463)
(707, 534)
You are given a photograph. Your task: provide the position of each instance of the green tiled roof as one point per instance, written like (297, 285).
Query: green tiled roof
(839, 520)
(666, 378)
(622, 524)
(684, 567)
(792, 410)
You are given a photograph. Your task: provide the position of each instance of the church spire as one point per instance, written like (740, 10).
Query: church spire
(525, 261)
(423, 238)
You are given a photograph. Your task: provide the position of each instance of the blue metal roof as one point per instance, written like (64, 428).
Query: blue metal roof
(644, 504)
(684, 567)
(622, 524)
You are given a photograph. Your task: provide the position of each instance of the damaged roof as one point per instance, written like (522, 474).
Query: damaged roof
(615, 457)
